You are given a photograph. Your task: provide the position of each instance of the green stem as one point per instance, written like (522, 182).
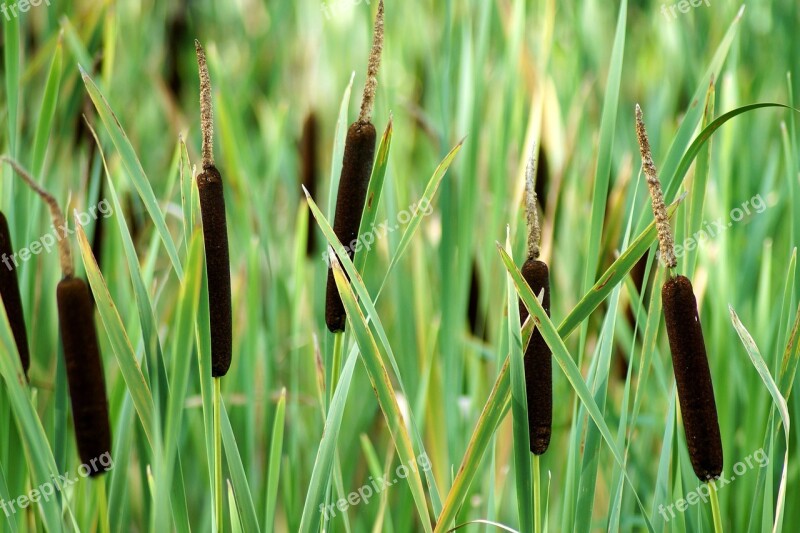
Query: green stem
(217, 457)
(715, 507)
(336, 370)
(537, 496)
(102, 505)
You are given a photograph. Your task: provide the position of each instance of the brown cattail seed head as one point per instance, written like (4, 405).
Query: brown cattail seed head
(10, 296)
(532, 217)
(359, 155)
(665, 242)
(215, 236)
(206, 108)
(693, 377)
(84, 371)
(309, 169)
(538, 362)
(374, 63)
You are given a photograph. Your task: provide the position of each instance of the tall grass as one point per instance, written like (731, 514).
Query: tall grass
(304, 421)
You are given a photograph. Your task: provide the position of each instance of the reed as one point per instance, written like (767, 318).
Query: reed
(83, 364)
(215, 233)
(685, 334)
(538, 359)
(9, 294)
(359, 157)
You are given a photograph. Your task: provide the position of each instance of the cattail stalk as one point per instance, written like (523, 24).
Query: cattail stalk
(83, 364)
(685, 334)
(359, 157)
(215, 233)
(10, 295)
(538, 357)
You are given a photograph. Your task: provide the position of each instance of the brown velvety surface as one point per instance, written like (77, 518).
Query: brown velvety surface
(309, 172)
(359, 156)
(9, 294)
(693, 377)
(218, 268)
(538, 362)
(84, 367)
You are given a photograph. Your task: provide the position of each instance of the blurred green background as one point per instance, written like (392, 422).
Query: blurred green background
(503, 76)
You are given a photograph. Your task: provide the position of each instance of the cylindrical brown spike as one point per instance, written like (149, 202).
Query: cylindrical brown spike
(693, 377)
(308, 170)
(84, 371)
(10, 296)
(477, 320)
(359, 155)
(215, 235)
(538, 362)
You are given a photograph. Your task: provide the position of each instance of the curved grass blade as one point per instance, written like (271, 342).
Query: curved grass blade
(11, 58)
(495, 408)
(236, 521)
(692, 117)
(564, 360)
(134, 169)
(605, 152)
(37, 451)
(363, 295)
(416, 218)
(672, 185)
(612, 276)
(152, 344)
(519, 407)
(780, 403)
(274, 465)
(338, 146)
(323, 465)
(47, 111)
(384, 391)
(118, 338)
(244, 499)
(180, 358)
(374, 191)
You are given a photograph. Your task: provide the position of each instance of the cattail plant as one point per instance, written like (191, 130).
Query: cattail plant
(309, 169)
(538, 358)
(9, 294)
(83, 364)
(359, 156)
(215, 233)
(689, 360)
